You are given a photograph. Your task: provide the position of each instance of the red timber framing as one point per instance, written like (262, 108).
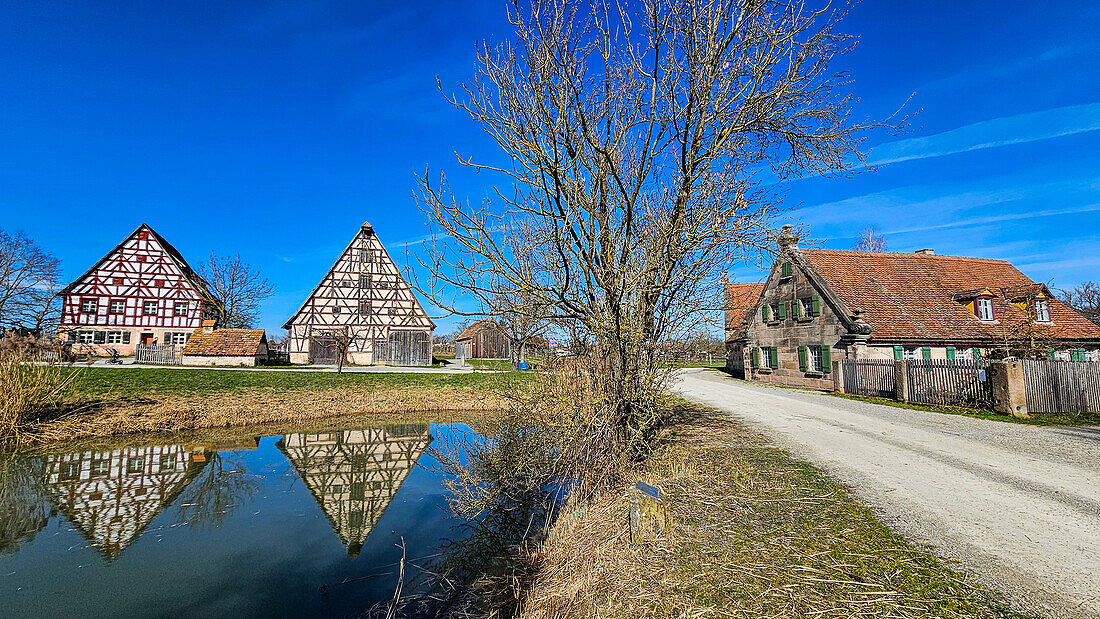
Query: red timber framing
(363, 296)
(136, 288)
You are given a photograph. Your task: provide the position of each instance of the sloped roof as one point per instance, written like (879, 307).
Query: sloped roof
(918, 296)
(190, 274)
(225, 343)
(741, 301)
(469, 332)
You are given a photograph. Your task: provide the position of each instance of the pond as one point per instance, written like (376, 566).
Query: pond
(289, 525)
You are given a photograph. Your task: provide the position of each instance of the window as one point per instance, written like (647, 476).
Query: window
(814, 360)
(89, 306)
(71, 336)
(84, 337)
(180, 308)
(768, 357)
(912, 353)
(366, 256)
(1042, 311)
(135, 465)
(167, 462)
(101, 468)
(100, 337)
(117, 306)
(70, 470)
(808, 307)
(983, 307)
(149, 307)
(118, 337)
(177, 338)
(336, 309)
(364, 282)
(778, 312)
(364, 308)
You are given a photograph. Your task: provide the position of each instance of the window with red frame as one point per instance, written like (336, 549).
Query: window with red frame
(149, 307)
(89, 306)
(117, 306)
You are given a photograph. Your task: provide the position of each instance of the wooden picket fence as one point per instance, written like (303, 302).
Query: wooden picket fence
(158, 355)
(1062, 386)
(950, 383)
(873, 378)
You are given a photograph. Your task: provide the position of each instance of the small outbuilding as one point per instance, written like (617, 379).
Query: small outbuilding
(484, 339)
(209, 346)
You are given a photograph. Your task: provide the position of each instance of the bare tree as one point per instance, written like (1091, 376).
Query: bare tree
(521, 317)
(1085, 299)
(341, 340)
(638, 138)
(238, 286)
(28, 284)
(870, 240)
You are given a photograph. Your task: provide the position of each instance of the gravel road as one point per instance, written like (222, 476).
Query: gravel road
(1017, 506)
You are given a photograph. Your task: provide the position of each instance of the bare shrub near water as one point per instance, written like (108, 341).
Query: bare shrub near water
(28, 391)
(643, 142)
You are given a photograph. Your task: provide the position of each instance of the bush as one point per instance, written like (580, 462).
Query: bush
(28, 391)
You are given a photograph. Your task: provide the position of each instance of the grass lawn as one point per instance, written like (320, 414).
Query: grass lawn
(1036, 419)
(132, 382)
(752, 532)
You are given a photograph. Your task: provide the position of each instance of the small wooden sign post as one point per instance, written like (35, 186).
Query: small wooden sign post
(647, 512)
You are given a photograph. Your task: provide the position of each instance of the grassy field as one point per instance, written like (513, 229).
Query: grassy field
(1036, 419)
(752, 532)
(96, 383)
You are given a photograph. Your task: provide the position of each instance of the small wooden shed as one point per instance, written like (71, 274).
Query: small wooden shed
(485, 339)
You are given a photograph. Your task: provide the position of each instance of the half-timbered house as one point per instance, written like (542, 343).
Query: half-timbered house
(354, 474)
(362, 299)
(141, 292)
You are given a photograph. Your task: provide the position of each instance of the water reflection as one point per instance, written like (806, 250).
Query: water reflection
(111, 496)
(354, 474)
(23, 513)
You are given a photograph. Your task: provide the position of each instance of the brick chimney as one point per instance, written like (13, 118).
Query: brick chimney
(925, 252)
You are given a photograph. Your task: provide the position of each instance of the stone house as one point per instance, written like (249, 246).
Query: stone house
(209, 346)
(819, 305)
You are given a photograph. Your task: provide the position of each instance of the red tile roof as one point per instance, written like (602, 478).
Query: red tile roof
(225, 343)
(740, 303)
(920, 297)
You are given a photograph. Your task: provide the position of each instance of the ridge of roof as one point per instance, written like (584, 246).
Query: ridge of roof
(887, 254)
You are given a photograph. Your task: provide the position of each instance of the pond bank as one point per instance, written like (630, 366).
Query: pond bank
(110, 403)
(753, 532)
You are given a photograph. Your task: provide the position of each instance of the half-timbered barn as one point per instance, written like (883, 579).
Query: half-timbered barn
(362, 300)
(141, 292)
(354, 474)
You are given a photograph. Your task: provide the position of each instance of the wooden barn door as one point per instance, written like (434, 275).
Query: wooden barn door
(324, 351)
(410, 348)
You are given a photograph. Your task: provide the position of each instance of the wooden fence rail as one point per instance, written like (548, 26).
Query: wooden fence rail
(159, 355)
(1062, 386)
(873, 378)
(950, 383)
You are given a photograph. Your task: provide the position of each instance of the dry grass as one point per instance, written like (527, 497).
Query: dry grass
(249, 407)
(27, 392)
(754, 533)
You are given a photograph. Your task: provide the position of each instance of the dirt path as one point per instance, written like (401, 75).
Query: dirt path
(1018, 506)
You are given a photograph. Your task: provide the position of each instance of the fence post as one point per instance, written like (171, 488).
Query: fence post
(838, 376)
(901, 381)
(1009, 389)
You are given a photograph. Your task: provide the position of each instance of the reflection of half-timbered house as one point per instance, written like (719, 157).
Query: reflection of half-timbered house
(141, 292)
(110, 497)
(354, 474)
(362, 298)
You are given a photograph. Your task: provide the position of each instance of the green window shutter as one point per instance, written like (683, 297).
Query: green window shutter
(950, 353)
(796, 309)
(787, 270)
(899, 353)
(926, 352)
(755, 354)
(1050, 355)
(782, 307)
(774, 357)
(801, 358)
(827, 358)
(977, 353)
(817, 306)
(764, 313)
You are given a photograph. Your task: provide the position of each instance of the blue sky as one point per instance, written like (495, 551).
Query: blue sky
(273, 129)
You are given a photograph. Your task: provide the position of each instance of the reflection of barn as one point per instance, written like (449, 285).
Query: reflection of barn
(354, 474)
(483, 340)
(112, 496)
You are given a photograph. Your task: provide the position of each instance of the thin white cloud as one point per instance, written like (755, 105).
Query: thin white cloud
(1018, 129)
(981, 221)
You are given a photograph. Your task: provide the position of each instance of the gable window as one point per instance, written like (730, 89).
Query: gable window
(366, 256)
(70, 470)
(167, 462)
(1042, 311)
(101, 468)
(180, 308)
(808, 307)
(983, 307)
(786, 270)
(149, 307)
(778, 311)
(364, 308)
(117, 306)
(89, 306)
(335, 309)
(364, 282)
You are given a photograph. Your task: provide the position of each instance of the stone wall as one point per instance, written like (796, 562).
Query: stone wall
(788, 334)
(212, 361)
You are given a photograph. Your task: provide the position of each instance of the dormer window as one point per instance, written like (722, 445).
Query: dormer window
(1042, 310)
(983, 308)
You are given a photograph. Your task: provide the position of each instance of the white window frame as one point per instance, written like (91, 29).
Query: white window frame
(1042, 310)
(179, 308)
(911, 353)
(984, 308)
(85, 337)
(114, 337)
(766, 357)
(807, 307)
(111, 305)
(813, 358)
(89, 306)
(145, 308)
(176, 338)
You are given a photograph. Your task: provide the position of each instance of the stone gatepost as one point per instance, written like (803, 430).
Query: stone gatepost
(901, 380)
(1009, 391)
(838, 376)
